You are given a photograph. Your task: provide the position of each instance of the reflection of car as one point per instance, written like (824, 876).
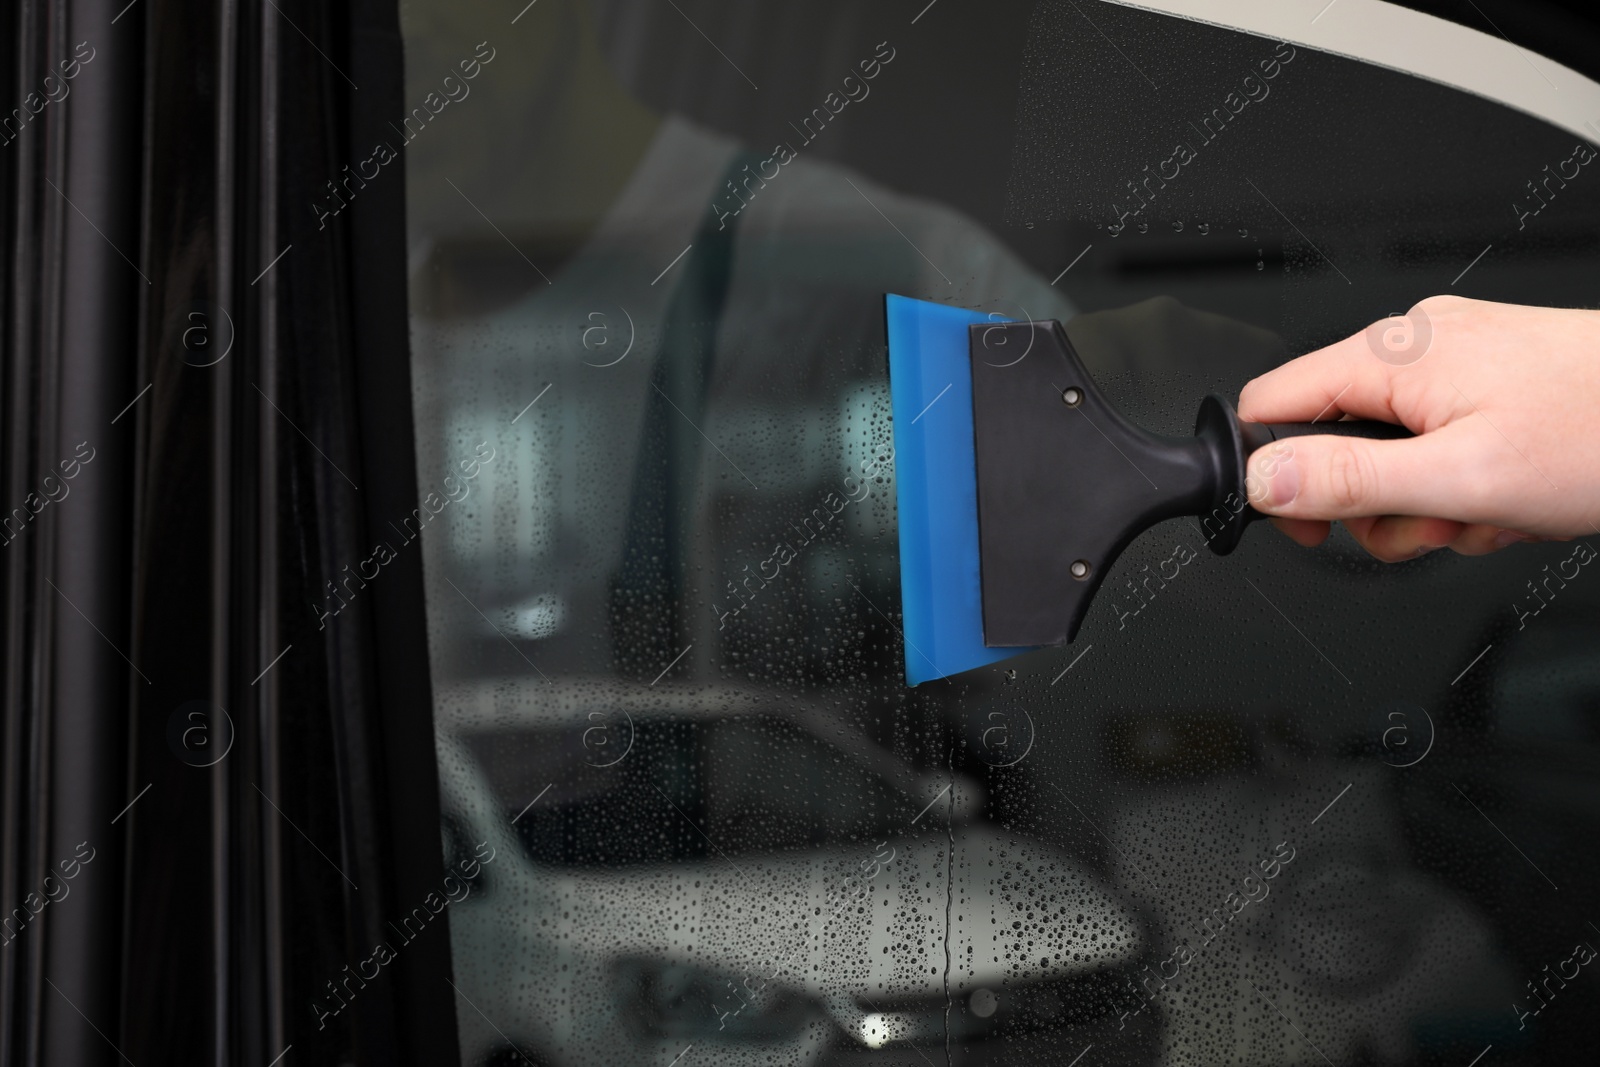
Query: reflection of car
(794, 901)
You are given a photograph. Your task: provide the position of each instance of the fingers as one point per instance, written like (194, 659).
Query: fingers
(1480, 539)
(1326, 477)
(1393, 538)
(1357, 376)
(1308, 533)
(1343, 378)
(1397, 538)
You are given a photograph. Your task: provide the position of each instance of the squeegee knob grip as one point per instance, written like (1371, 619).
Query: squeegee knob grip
(1233, 442)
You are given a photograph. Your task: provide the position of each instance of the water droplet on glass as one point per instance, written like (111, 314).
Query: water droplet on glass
(1205, 228)
(1144, 227)
(1177, 225)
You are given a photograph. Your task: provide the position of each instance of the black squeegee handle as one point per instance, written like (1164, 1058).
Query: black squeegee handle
(1259, 434)
(1236, 440)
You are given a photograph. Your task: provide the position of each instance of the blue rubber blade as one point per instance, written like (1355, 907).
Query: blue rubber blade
(936, 488)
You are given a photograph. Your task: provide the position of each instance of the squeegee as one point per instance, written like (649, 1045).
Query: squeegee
(1019, 484)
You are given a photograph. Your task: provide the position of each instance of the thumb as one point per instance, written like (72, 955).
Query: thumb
(1327, 477)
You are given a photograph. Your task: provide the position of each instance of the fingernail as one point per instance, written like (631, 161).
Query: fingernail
(1423, 550)
(1509, 537)
(1274, 482)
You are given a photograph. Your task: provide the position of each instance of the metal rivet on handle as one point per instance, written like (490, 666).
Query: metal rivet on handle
(1072, 397)
(1080, 569)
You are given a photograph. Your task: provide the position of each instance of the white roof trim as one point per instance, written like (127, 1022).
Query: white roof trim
(1411, 42)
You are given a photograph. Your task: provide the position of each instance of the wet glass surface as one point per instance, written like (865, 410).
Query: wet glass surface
(1281, 807)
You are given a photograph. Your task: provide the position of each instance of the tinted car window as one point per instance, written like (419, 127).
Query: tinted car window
(1283, 806)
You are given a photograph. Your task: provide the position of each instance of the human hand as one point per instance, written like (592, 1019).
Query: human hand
(1505, 403)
